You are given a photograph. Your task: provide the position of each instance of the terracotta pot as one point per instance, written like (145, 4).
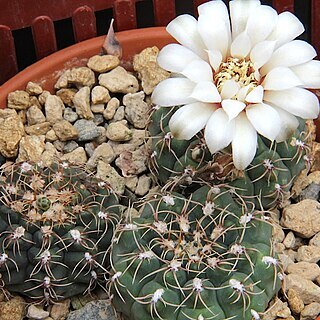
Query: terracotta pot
(47, 70)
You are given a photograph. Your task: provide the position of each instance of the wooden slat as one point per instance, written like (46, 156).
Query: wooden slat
(84, 23)
(18, 14)
(196, 4)
(125, 14)
(164, 11)
(283, 5)
(43, 36)
(8, 60)
(315, 25)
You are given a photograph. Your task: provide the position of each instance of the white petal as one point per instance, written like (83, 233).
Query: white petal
(281, 78)
(309, 74)
(289, 123)
(214, 33)
(243, 93)
(241, 46)
(218, 132)
(256, 95)
(173, 91)
(244, 143)
(198, 71)
(239, 13)
(232, 107)
(230, 89)
(261, 22)
(300, 102)
(261, 53)
(206, 92)
(290, 54)
(288, 28)
(264, 119)
(184, 29)
(215, 59)
(175, 57)
(188, 120)
(215, 9)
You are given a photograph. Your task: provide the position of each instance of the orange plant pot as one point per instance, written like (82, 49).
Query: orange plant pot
(47, 70)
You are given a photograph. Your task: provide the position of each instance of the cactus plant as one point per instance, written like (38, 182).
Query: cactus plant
(56, 224)
(208, 256)
(271, 173)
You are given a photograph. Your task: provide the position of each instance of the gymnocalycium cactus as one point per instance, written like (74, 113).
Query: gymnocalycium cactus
(56, 225)
(208, 256)
(179, 163)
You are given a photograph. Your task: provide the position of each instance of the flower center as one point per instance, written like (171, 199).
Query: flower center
(238, 70)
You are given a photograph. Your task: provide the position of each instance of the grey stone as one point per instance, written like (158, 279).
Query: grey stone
(70, 115)
(119, 115)
(97, 310)
(89, 147)
(102, 136)
(310, 192)
(98, 119)
(70, 146)
(87, 129)
(59, 145)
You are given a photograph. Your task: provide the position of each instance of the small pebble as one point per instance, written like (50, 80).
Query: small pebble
(289, 240)
(99, 95)
(70, 146)
(60, 310)
(111, 108)
(310, 192)
(97, 108)
(87, 129)
(33, 88)
(118, 131)
(98, 119)
(119, 80)
(311, 311)
(143, 186)
(89, 147)
(76, 156)
(103, 63)
(35, 312)
(70, 115)
(97, 310)
(119, 115)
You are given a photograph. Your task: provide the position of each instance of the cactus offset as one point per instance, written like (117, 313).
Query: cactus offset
(208, 256)
(180, 163)
(56, 225)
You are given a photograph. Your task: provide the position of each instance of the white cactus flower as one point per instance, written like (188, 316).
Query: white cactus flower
(238, 76)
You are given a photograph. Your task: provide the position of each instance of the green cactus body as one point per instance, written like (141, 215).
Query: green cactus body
(56, 226)
(180, 163)
(204, 257)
